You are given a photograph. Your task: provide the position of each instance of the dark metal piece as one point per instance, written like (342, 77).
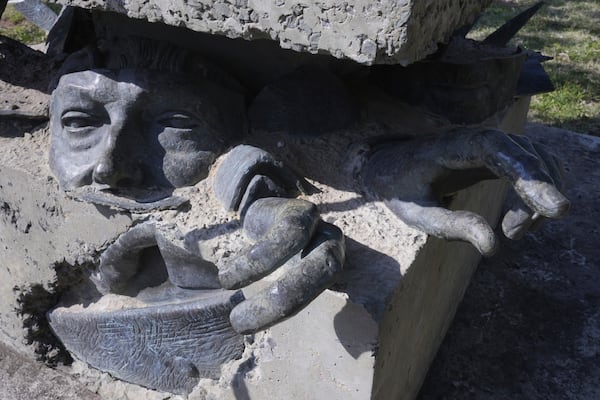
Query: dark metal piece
(501, 36)
(124, 269)
(37, 13)
(151, 139)
(307, 102)
(520, 218)
(120, 263)
(307, 275)
(3, 4)
(135, 201)
(288, 233)
(466, 83)
(185, 269)
(23, 114)
(72, 31)
(534, 79)
(282, 228)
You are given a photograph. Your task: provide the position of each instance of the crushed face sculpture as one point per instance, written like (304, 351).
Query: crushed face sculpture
(152, 134)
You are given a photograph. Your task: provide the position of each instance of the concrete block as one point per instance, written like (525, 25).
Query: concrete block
(385, 32)
(372, 336)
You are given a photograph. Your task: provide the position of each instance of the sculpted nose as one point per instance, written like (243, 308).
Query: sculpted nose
(105, 173)
(116, 166)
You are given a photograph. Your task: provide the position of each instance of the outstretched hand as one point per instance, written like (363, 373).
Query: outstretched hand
(412, 177)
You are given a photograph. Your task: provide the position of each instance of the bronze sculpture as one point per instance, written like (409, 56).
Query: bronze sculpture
(128, 137)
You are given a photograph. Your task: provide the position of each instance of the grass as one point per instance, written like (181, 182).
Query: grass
(15, 26)
(568, 31)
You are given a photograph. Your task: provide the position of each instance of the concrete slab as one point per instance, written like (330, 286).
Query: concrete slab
(383, 32)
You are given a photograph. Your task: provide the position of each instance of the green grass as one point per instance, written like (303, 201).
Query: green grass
(568, 31)
(15, 26)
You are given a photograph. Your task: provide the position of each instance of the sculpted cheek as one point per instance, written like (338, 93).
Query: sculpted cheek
(187, 169)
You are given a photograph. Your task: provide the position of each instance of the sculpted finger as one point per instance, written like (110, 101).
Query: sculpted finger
(239, 168)
(119, 262)
(553, 165)
(520, 218)
(506, 159)
(446, 224)
(282, 228)
(549, 162)
(185, 269)
(302, 282)
(526, 171)
(517, 220)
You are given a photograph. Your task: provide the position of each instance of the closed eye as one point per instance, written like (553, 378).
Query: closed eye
(178, 120)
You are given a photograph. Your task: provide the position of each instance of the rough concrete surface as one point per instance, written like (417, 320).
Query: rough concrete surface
(22, 378)
(40, 230)
(388, 31)
(529, 325)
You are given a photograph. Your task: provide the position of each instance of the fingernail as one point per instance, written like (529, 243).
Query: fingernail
(555, 204)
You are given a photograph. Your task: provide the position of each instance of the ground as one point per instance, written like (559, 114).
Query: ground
(529, 324)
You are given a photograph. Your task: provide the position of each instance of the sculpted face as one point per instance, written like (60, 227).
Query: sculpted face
(136, 129)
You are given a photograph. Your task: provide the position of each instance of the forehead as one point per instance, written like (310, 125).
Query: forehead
(125, 85)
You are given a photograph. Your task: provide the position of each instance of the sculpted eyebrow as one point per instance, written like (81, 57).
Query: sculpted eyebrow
(78, 96)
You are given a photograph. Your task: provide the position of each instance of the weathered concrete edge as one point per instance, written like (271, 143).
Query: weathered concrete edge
(423, 306)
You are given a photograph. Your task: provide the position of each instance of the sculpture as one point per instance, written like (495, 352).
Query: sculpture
(129, 137)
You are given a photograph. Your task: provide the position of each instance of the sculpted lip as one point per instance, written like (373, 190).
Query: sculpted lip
(132, 200)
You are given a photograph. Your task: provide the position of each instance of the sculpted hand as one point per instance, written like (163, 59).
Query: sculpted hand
(413, 177)
(287, 233)
(126, 267)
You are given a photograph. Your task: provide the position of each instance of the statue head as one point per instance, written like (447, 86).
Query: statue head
(140, 114)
